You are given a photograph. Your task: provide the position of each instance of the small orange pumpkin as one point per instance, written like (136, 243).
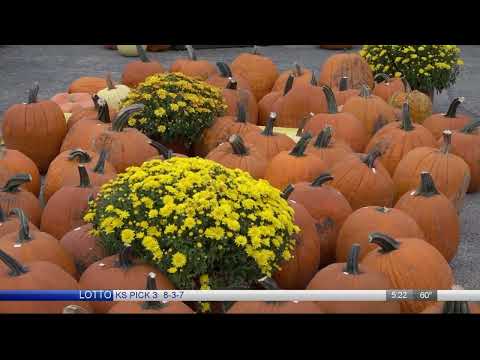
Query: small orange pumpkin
(87, 84)
(198, 69)
(302, 76)
(351, 65)
(327, 149)
(222, 78)
(136, 72)
(343, 92)
(233, 96)
(388, 86)
(437, 123)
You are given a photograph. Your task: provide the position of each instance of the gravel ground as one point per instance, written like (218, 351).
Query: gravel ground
(55, 67)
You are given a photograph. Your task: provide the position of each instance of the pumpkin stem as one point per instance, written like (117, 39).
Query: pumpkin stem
(456, 307)
(15, 182)
(232, 84)
(301, 145)
(369, 160)
(303, 122)
(343, 85)
(191, 52)
(80, 155)
(16, 269)
(84, 178)
(95, 101)
(365, 91)
(324, 138)
(241, 112)
(386, 243)
(142, 53)
(110, 83)
(427, 186)
(100, 166)
(351, 267)
(124, 258)
(255, 50)
(322, 179)
(408, 88)
(152, 285)
(103, 111)
(297, 69)
(24, 231)
(331, 101)
(3, 218)
(313, 79)
(383, 209)
(287, 191)
(268, 130)
(162, 149)
(288, 84)
(447, 141)
(122, 117)
(382, 77)
(452, 109)
(470, 128)
(238, 146)
(268, 283)
(406, 124)
(33, 93)
(224, 69)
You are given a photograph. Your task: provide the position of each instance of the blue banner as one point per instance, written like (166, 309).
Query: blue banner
(56, 295)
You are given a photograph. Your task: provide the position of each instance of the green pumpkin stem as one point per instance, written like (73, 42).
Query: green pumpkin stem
(452, 109)
(303, 122)
(370, 158)
(383, 209)
(382, 77)
(406, 84)
(232, 84)
(365, 91)
(152, 285)
(297, 69)
(268, 130)
(224, 70)
(162, 149)
(16, 269)
(110, 83)
(100, 166)
(387, 244)
(288, 84)
(238, 146)
(33, 93)
(313, 79)
(456, 307)
(268, 283)
(470, 128)
(15, 182)
(322, 179)
(331, 101)
(241, 112)
(324, 138)
(301, 145)
(407, 124)
(351, 266)
(343, 84)
(24, 231)
(142, 54)
(80, 155)
(125, 258)
(427, 186)
(447, 141)
(191, 52)
(84, 178)
(103, 112)
(122, 117)
(287, 191)
(3, 218)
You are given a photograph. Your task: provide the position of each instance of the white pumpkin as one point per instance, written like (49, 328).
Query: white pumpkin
(113, 94)
(129, 50)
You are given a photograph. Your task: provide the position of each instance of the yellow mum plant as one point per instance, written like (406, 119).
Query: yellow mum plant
(203, 225)
(425, 67)
(177, 108)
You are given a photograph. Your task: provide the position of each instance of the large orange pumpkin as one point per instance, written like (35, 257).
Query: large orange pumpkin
(329, 209)
(302, 76)
(387, 86)
(260, 72)
(267, 103)
(363, 221)
(36, 128)
(329, 150)
(16, 162)
(221, 79)
(409, 263)
(290, 167)
(450, 172)
(437, 123)
(198, 69)
(372, 110)
(350, 275)
(350, 65)
(87, 84)
(363, 180)
(233, 96)
(398, 138)
(435, 215)
(346, 126)
(136, 72)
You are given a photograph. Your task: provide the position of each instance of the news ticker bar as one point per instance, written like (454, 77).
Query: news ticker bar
(239, 295)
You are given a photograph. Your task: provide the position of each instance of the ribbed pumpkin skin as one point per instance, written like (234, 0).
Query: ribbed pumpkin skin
(136, 72)
(349, 64)
(304, 78)
(420, 104)
(87, 84)
(24, 200)
(233, 97)
(269, 146)
(387, 88)
(265, 106)
(15, 162)
(198, 69)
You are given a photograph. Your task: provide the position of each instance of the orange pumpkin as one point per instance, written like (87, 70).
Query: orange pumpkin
(387, 87)
(70, 103)
(437, 123)
(302, 76)
(350, 65)
(222, 78)
(233, 96)
(327, 149)
(450, 172)
(198, 69)
(15, 162)
(268, 102)
(136, 72)
(89, 114)
(9, 223)
(87, 84)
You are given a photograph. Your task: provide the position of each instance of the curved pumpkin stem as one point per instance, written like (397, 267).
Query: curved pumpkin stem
(110, 83)
(191, 52)
(301, 145)
(122, 117)
(343, 84)
(427, 186)
(324, 138)
(238, 146)
(452, 109)
(456, 307)
(95, 99)
(103, 111)
(297, 69)
(268, 283)
(382, 77)
(100, 166)
(15, 182)
(162, 149)
(232, 84)
(80, 155)
(470, 128)
(16, 269)
(287, 191)
(125, 258)
(224, 70)
(142, 54)
(322, 179)
(407, 124)
(373, 155)
(33, 93)
(288, 84)
(24, 231)
(387, 244)
(447, 141)
(84, 178)
(268, 130)
(152, 285)
(365, 91)
(351, 266)
(331, 101)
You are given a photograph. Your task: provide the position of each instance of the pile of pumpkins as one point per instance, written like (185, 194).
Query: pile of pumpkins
(376, 181)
